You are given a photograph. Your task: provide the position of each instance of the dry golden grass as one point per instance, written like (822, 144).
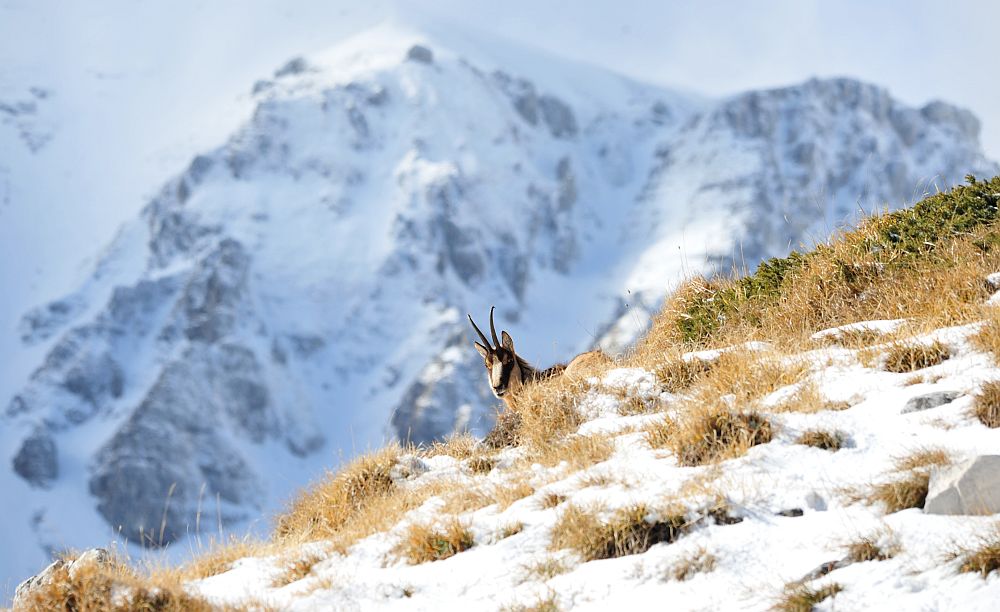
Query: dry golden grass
(986, 404)
(325, 508)
(987, 339)
(482, 464)
(807, 398)
(705, 433)
(215, 558)
(908, 489)
(548, 603)
(460, 446)
(923, 458)
(362, 500)
(630, 531)
(296, 569)
(599, 479)
(506, 432)
(578, 452)
(677, 374)
(804, 598)
(423, 543)
(904, 357)
(548, 410)
(636, 405)
(983, 556)
(459, 497)
(510, 529)
(506, 494)
(857, 338)
(699, 561)
(112, 587)
(822, 439)
(551, 500)
(867, 548)
(544, 569)
(926, 263)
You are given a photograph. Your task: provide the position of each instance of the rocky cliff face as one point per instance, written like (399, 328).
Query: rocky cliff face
(304, 285)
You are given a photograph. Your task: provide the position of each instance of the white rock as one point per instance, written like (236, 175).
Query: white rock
(970, 487)
(24, 590)
(993, 280)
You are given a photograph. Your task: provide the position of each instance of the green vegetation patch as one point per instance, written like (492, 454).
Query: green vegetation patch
(885, 242)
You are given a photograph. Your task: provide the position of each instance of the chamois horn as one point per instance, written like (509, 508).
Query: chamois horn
(482, 336)
(493, 330)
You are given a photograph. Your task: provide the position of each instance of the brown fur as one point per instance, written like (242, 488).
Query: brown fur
(519, 372)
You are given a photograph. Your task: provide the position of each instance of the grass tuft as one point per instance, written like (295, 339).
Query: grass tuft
(482, 464)
(867, 548)
(321, 510)
(904, 357)
(708, 433)
(423, 543)
(296, 570)
(825, 440)
(910, 491)
(545, 569)
(699, 561)
(630, 531)
(983, 557)
(804, 598)
(986, 404)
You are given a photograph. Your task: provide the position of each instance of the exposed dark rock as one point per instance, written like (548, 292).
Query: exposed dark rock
(567, 184)
(558, 117)
(296, 65)
(41, 323)
(420, 54)
(791, 512)
(209, 305)
(184, 417)
(37, 461)
(930, 400)
(95, 379)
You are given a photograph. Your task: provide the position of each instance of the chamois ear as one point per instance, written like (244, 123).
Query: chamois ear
(482, 350)
(508, 342)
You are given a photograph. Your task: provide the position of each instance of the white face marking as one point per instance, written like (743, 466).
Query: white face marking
(496, 373)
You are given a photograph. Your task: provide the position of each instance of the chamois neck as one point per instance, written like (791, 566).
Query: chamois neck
(530, 373)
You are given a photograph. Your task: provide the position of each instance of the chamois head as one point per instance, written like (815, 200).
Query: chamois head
(503, 367)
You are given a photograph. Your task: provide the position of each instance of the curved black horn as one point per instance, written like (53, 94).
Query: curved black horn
(482, 336)
(493, 330)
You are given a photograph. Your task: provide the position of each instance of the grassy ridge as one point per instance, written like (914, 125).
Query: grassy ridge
(882, 247)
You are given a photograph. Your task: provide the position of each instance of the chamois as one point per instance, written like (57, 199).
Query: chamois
(507, 371)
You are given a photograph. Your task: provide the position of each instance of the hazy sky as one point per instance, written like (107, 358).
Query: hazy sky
(919, 50)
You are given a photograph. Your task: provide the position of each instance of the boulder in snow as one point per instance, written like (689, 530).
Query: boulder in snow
(23, 593)
(420, 53)
(970, 487)
(929, 400)
(37, 461)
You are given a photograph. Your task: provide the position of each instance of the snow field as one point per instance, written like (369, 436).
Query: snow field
(800, 507)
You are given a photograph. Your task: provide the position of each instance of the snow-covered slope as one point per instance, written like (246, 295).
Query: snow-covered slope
(787, 512)
(298, 293)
